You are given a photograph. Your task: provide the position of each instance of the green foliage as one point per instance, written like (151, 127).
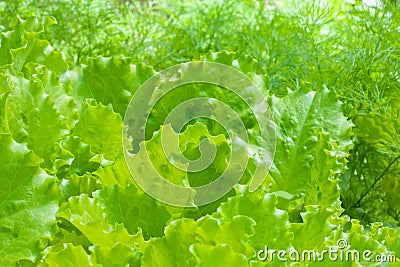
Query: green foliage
(330, 72)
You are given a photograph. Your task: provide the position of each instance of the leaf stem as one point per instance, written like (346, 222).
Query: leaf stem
(376, 181)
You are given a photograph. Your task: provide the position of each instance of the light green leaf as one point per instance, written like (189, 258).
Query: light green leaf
(299, 116)
(218, 256)
(3, 121)
(23, 45)
(101, 128)
(134, 208)
(244, 63)
(272, 224)
(376, 128)
(89, 218)
(68, 256)
(119, 255)
(318, 223)
(33, 118)
(74, 157)
(58, 91)
(28, 204)
(109, 80)
(115, 174)
(75, 185)
(389, 237)
(323, 185)
(356, 239)
(172, 250)
(217, 232)
(108, 240)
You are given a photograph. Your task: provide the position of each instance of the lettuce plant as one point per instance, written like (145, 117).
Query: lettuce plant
(67, 196)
